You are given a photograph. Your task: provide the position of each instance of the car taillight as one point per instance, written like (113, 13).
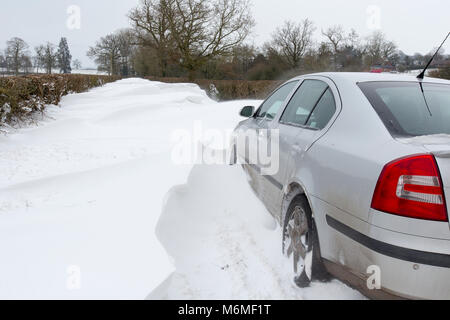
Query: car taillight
(411, 187)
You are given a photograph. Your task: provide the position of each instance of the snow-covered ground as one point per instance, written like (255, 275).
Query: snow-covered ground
(230, 247)
(89, 71)
(92, 205)
(418, 71)
(74, 71)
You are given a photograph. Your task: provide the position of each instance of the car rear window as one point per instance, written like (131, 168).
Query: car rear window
(409, 108)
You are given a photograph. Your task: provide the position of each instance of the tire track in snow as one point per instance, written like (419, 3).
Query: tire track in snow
(217, 232)
(233, 249)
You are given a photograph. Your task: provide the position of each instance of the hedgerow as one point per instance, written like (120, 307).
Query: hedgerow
(20, 97)
(230, 89)
(443, 73)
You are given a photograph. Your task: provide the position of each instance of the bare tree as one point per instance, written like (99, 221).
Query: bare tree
(204, 29)
(16, 51)
(39, 57)
(345, 48)
(378, 49)
(27, 64)
(439, 59)
(126, 41)
(418, 60)
(46, 57)
(76, 64)
(323, 55)
(2, 64)
(151, 26)
(106, 54)
(113, 53)
(294, 40)
(336, 37)
(353, 40)
(243, 57)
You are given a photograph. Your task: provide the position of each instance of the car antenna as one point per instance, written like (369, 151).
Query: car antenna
(422, 74)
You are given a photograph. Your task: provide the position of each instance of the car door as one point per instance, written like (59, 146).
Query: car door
(289, 125)
(321, 117)
(312, 111)
(257, 126)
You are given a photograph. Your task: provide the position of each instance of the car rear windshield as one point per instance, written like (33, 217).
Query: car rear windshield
(411, 108)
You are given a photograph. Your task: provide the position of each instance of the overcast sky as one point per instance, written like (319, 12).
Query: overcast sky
(415, 26)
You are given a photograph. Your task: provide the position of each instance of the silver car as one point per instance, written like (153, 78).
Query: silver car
(362, 179)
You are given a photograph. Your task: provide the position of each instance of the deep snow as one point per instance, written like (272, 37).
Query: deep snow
(230, 247)
(82, 194)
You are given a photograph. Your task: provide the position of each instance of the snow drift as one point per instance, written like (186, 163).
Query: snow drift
(225, 244)
(82, 193)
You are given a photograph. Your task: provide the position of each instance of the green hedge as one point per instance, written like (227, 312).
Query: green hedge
(230, 89)
(22, 96)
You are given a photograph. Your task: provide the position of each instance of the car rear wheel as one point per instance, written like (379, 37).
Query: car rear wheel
(301, 244)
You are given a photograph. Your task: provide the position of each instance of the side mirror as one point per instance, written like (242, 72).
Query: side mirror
(247, 112)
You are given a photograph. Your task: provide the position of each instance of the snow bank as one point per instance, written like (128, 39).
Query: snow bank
(225, 245)
(82, 193)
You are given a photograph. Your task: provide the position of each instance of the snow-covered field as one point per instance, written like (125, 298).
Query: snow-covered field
(74, 71)
(88, 71)
(418, 71)
(93, 206)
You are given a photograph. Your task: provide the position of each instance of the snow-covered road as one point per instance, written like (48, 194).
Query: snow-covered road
(82, 194)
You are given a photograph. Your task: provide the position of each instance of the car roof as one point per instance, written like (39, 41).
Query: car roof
(357, 77)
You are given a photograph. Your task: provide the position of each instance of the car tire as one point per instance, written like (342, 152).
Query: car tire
(301, 243)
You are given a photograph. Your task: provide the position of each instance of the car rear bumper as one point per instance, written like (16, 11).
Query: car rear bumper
(410, 267)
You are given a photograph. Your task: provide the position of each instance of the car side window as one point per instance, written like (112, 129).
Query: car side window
(299, 110)
(269, 109)
(323, 112)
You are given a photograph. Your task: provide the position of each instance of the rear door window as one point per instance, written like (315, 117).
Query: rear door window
(323, 112)
(303, 102)
(406, 110)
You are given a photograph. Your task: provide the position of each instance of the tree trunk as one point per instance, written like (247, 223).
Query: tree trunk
(191, 75)
(16, 62)
(16, 67)
(164, 68)
(162, 64)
